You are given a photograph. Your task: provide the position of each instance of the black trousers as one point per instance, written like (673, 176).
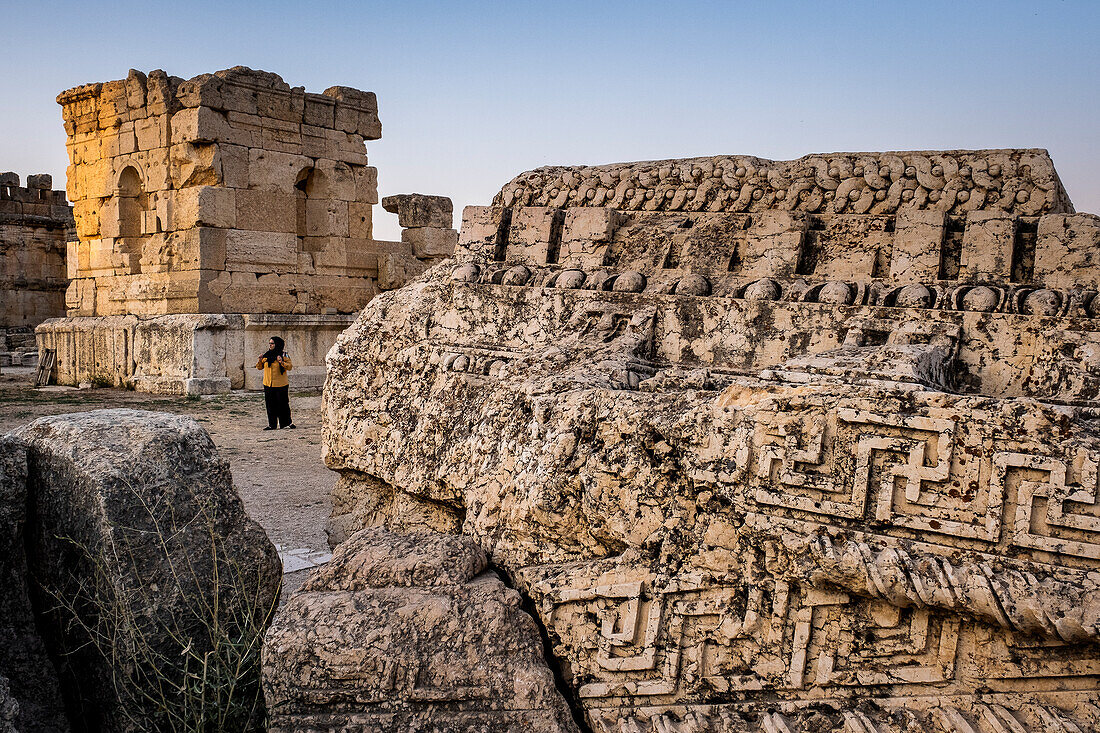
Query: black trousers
(277, 400)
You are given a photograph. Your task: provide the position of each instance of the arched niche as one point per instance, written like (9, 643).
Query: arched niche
(131, 204)
(134, 223)
(310, 223)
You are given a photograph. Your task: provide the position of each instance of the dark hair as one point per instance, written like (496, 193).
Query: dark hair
(273, 354)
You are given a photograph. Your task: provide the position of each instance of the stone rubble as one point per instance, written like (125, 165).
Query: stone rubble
(787, 446)
(408, 632)
(142, 556)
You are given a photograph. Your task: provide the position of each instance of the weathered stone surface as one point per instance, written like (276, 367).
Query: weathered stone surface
(187, 354)
(408, 632)
(230, 193)
(420, 210)
(1020, 182)
(236, 151)
(818, 461)
(27, 677)
(9, 708)
(148, 568)
(35, 223)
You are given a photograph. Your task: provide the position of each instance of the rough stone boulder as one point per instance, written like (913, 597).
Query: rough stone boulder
(30, 682)
(412, 633)
(154, 585)
(802, 445)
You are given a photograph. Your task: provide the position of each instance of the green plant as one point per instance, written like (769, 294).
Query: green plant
(192, 668)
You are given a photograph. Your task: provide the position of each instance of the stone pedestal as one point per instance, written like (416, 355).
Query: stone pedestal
(187, 353)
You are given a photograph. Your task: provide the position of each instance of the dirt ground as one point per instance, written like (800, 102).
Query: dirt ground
(278, 473)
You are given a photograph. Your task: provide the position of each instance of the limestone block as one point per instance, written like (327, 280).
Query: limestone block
(987, 246)
(263, 250)
(212, 206)
(420, 210)
(9, 179)
(530, 232)
(316, 143)
(276, 138)
(391, 275)
(326, 218)
(356, 111)
(585, 234)
(847, 246)
(192, 164)
(201, 125)
(772, 245)
(282, 106)
(266, 211)
(80, 297)
(234, 165)
(430, 241)
(918, 236)
(1067, 251)
(194, 248)
(366, 184)
(481, 229)
(360, 220)
(318, 110)
(484, 648)
(73, 265)
(32, 682)
(39, 181)
(334, 180)
(135, 520)
(99, 180)
(245, 129)
(153, 132)
(86, 216)
(251, 292)
(274, 171)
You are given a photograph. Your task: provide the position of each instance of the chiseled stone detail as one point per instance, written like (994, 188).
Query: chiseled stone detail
(408, 632)
(1022, 182)
(765, 463)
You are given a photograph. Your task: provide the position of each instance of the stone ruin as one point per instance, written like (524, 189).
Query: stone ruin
(130, 573)
(35, 222)
(211, 213)
(773, 446)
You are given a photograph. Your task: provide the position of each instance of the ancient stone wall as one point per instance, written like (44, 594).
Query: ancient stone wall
(230, 193)
(35, 223)
(227, 193)
(820, 462)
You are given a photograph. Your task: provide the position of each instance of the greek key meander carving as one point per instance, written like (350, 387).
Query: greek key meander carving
(919, 475)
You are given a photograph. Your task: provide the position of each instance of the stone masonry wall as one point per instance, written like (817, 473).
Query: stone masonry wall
(34, 223)
(227, 193)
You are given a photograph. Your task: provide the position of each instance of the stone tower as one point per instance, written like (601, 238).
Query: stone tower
(231, 195)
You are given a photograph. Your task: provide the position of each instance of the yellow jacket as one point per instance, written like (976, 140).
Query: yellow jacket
(273, 376)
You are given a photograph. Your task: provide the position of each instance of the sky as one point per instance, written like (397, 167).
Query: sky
(472, 93)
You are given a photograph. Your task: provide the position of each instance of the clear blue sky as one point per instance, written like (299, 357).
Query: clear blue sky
(471, 93)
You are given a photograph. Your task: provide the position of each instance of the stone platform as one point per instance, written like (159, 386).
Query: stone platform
(187, 353)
